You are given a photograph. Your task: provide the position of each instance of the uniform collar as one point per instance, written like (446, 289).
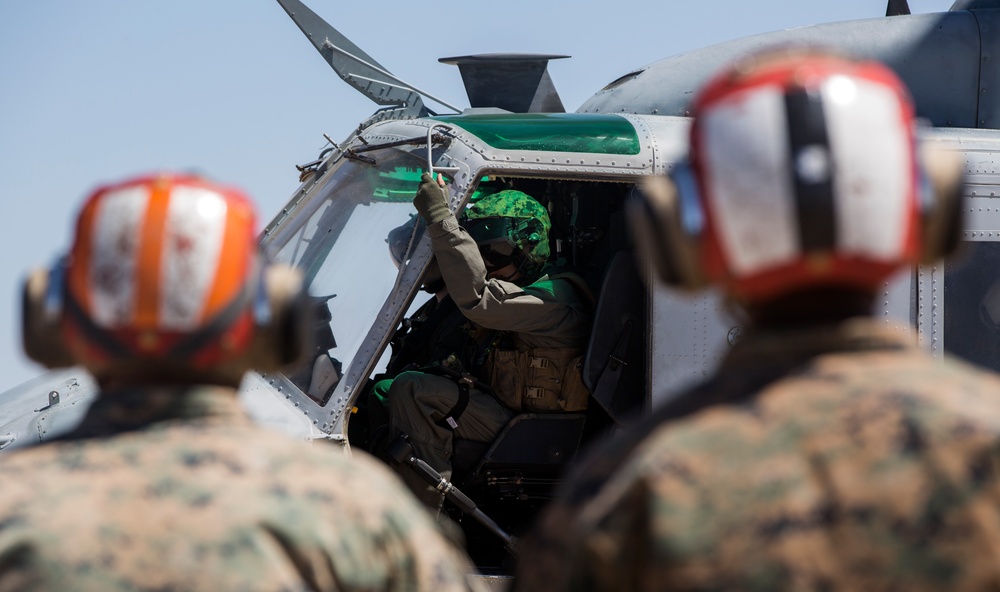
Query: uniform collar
(791, 346)
(133, 408)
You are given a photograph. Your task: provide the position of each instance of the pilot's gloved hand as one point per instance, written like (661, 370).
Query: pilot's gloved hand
(432, 199)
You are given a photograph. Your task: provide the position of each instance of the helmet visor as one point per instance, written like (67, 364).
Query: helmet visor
(495, 237)
(488, 231)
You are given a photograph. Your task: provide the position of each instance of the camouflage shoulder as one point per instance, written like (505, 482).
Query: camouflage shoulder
(19, 469)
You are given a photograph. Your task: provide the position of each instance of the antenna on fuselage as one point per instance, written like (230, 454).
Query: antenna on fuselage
(356, 67)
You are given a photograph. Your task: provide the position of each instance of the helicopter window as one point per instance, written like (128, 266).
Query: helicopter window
(341, 249)
(554, 132)
(972, 304)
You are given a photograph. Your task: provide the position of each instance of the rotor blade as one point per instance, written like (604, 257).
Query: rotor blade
(356, 67)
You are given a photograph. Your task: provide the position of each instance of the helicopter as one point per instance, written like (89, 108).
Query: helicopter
(647, 342)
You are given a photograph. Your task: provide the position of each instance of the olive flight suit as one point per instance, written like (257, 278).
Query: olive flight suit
(552, 313)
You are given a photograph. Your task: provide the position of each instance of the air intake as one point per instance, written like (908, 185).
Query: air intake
(515, 82)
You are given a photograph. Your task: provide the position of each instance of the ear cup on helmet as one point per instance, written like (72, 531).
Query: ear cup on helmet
(281, 338)
(667, 236)
(40, 331)
(941, 217)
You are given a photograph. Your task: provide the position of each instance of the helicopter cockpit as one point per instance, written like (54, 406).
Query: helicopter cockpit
(351, 230)
(337, 227)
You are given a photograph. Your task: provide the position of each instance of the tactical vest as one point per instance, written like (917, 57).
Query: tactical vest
(540, 379)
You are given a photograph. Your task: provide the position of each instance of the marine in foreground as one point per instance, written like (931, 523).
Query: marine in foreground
(829, 452)
(167, 484)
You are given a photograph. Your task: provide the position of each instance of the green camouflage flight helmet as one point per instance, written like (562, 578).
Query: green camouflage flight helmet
(510, 227)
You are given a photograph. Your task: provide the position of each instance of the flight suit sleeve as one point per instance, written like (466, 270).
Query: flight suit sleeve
(496, 304)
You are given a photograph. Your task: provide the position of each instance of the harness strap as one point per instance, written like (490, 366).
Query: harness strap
(450, 419)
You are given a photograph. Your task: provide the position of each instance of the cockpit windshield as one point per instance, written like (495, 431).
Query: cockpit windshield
(340, 242)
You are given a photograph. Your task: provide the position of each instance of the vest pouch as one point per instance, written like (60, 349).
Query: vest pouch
(507, 371)
(543, 380)
(554, 381)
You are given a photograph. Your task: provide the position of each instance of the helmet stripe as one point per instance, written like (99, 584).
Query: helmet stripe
(113, 253)
(192, 242)
(151, 228)
(811, 169)
(238, 254)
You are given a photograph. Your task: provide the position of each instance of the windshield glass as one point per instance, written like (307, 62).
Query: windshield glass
(339, 241)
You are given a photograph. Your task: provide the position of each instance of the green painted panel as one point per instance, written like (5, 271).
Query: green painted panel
(553, 132)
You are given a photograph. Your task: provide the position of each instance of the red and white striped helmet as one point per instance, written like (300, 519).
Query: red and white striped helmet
(803, 172)
(162, 267)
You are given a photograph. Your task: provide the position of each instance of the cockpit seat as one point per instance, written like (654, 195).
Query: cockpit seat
(530, 450)
(528, 456)
(614, 367)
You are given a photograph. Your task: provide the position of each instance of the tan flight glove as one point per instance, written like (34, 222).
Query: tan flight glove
(431, 199)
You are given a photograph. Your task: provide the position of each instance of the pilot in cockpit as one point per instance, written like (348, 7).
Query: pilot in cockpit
(527, 324)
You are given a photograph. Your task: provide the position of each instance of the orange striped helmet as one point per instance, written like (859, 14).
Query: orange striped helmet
(162, 268)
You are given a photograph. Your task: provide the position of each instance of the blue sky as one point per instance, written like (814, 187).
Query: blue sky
(95, 91)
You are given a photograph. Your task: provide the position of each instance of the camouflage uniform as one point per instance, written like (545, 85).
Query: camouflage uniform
(825, 458)
(548, 313)
(177, 490)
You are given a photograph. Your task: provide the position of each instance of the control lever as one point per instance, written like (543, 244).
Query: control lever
(400, 451)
